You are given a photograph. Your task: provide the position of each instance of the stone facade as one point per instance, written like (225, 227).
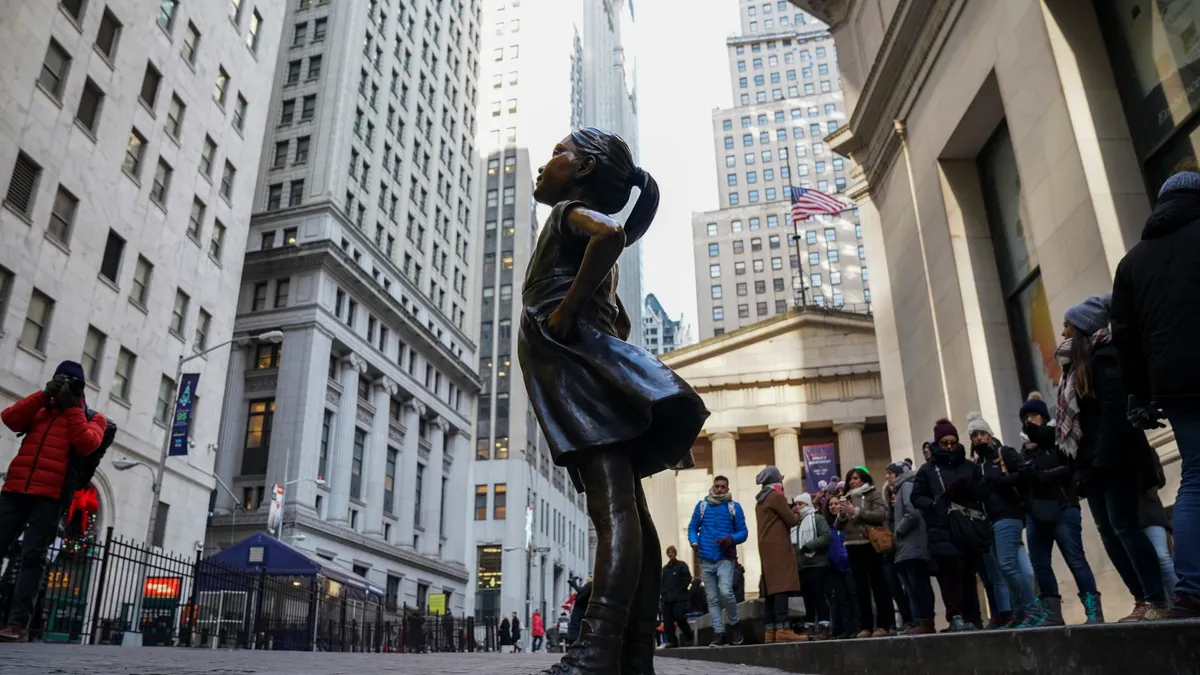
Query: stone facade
(362, 252)
(1002, 180)
(138, 275)
(808, 377)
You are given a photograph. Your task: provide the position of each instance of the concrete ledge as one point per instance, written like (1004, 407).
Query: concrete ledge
(1162, 648)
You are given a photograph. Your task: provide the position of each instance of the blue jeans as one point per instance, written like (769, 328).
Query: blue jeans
(1185, 420)
(1166, 565)
(995, 585)
(1014, 565)
(718, 586)
(1115, 510)
(1068, 534)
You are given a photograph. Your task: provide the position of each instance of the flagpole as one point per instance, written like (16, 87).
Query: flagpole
(796, 236)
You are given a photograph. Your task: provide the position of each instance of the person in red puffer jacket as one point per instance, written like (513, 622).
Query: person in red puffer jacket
(54, 426)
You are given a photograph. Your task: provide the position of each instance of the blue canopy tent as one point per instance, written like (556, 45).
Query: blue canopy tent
(264, 588)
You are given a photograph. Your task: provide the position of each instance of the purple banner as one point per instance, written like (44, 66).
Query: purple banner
(820, 464)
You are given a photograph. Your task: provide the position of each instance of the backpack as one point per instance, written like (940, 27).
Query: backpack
(81, 469)
(732, 511)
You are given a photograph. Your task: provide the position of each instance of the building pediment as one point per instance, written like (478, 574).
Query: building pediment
(804, 344)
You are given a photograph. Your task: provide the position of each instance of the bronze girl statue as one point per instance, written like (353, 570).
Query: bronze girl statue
(612, 412)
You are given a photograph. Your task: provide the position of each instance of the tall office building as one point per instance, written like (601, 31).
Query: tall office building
(549, 66)
(360, 251)
(131, 134)
(751, 262)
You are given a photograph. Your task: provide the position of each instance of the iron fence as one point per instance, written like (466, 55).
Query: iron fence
(97, 592)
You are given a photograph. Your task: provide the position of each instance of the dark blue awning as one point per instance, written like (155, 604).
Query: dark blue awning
(261, 553)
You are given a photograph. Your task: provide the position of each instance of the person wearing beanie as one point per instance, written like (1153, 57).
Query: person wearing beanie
(54, 426)
(1009, 572)
(910, 557)
(949, 478)
(1154, 329)
(1113, 460)
(780, 574)
(860, 509)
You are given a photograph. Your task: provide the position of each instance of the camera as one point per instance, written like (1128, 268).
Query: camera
(71, 384)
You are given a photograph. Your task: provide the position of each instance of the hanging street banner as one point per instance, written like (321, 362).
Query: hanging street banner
(183, 413)
(820, 464)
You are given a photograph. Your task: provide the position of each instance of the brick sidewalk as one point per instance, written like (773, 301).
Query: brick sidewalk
(31, 659)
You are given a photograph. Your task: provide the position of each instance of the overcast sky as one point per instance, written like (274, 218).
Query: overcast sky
(683, 73)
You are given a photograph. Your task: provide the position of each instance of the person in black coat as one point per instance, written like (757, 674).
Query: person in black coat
(697, 597)
(516, 634)
(675, 578)
(1116, 462)
(505, 634)
(949, 478)
(1154, 328)
(1054, 516)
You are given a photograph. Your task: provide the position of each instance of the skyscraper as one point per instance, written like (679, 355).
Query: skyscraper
(550, 66)
(130, 139)
(749, 263)
(360, 251)
(661, 333)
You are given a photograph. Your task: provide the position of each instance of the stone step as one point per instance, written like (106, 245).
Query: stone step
(1161, 648)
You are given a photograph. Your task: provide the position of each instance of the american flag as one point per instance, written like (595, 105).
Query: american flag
(807, 202)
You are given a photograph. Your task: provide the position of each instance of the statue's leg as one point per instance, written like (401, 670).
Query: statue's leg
(611, 487)
(638, 654)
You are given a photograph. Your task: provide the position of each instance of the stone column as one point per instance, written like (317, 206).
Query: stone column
(787, 458)
(459, 491)
(375, 466)
(233, 426)
(661, 495)
(850, 450)
(414, 410)
(724, 454)
(343, 451)
(431, 516)
(300, 390)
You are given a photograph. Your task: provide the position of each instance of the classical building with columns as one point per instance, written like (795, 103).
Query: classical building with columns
(808, 377)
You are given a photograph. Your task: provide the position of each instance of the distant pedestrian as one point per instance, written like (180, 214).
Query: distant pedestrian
(516, 634)
(537, 631)
(1154, 329)
(674, 590)
(505, 634)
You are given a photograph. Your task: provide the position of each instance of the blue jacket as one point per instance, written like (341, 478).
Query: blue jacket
(838, 559)
(716, 526)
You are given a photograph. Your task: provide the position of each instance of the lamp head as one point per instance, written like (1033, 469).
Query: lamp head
(124, 464)
(272, 336)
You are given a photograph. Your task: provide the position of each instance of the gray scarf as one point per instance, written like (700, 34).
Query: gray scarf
(717, 500)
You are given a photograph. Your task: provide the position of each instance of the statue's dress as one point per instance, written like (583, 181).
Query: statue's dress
(598, 392)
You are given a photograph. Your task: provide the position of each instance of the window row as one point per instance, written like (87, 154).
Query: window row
(743, 310)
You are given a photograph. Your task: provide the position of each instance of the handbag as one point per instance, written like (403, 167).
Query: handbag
(881, 538)
(969, 528)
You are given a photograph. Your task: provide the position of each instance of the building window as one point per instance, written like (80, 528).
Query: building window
(150, 82)
(90, 102)
(23, 185)
(356, 463)
(481, 499)
(326, 430)
(114, 250)
(252, 31)
(712, 229)
(228, 175)
(714, 271)
(162, 408)
(713, 250)
(203, 325)
(179, 313)
(716, 292)
(718, 314)
(133, 153)
(207, 155)
(62, 216)
(259, 421)
(141, 276)
(221, 86)
(54, 70)
(166, 14)
(417, 495)
(500, 501)
(259, 301)
(162, 182)
(218, 238)
(123, 375)
(37, 321)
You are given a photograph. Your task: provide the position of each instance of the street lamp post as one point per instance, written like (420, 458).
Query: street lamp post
(132, 636)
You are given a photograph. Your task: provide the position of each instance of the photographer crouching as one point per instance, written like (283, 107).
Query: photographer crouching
(54, 426)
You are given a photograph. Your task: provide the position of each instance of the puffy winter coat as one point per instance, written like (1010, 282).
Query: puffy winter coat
(51, 435)
(713, 522)
(870, 510)
(908, 524)
(948, 471)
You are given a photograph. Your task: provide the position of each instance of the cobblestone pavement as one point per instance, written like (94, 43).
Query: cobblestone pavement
(38, 659)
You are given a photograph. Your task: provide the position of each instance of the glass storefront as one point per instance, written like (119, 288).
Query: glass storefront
(1154, 46)
(1029, 321)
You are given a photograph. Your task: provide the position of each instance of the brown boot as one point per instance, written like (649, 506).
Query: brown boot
(923, 627)
(788, 635)
(598, 649)
(820, 633)
(769, 636)
(12, 634)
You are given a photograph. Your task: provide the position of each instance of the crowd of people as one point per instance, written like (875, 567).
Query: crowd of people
(865, 557)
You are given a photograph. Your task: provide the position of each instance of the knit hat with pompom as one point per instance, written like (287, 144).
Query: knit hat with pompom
(1035, 404)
